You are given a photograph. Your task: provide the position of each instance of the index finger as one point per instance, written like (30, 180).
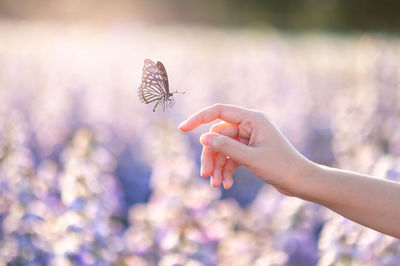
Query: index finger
(226, 112)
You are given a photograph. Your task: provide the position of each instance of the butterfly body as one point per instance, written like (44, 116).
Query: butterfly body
(155, 86)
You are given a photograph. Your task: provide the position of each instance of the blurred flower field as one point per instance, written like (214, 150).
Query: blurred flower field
(90, 176)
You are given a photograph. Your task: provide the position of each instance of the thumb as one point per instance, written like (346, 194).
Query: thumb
(239, 152)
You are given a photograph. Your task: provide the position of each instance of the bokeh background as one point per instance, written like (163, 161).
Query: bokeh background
(90, 176)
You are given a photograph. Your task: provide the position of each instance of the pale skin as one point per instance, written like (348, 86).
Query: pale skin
(249, 138)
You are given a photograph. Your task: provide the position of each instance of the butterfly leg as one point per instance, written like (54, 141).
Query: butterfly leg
(155, 106)
(163, 104)
(171, 102)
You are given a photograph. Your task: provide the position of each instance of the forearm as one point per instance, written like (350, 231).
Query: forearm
(369, 201)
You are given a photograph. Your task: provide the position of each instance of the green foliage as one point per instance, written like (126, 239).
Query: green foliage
(292, 15)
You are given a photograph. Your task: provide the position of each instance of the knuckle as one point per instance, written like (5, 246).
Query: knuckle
(219, 142)
(216, 109)
(214, 128)
(217, 105)
(261, 116)
(246, 127)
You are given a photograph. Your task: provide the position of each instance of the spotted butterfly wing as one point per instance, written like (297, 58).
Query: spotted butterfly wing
(155, 87)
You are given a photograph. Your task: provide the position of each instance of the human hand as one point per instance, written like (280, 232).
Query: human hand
(246, 137)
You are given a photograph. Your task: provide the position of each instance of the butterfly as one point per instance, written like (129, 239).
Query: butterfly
(155, 87)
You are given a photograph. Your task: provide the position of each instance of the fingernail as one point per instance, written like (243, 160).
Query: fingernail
(212, 184)
(227, 186)
(205, 139)
(202, 173)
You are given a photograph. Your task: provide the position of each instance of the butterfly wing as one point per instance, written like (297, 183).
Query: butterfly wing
(153, 77)
(165, 76)
(153, 86)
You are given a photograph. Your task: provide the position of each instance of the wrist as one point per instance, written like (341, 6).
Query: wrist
(304, 178)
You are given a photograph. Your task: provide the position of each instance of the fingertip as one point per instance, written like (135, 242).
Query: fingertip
(227, 186)
(205, 139)
(207, 170)
(227, 174)
(228, 182)
(203, 172)
(227, 179)
(212, 182)
(181, 126)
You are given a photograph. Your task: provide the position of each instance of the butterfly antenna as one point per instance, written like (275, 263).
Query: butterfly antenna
(179, 92)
